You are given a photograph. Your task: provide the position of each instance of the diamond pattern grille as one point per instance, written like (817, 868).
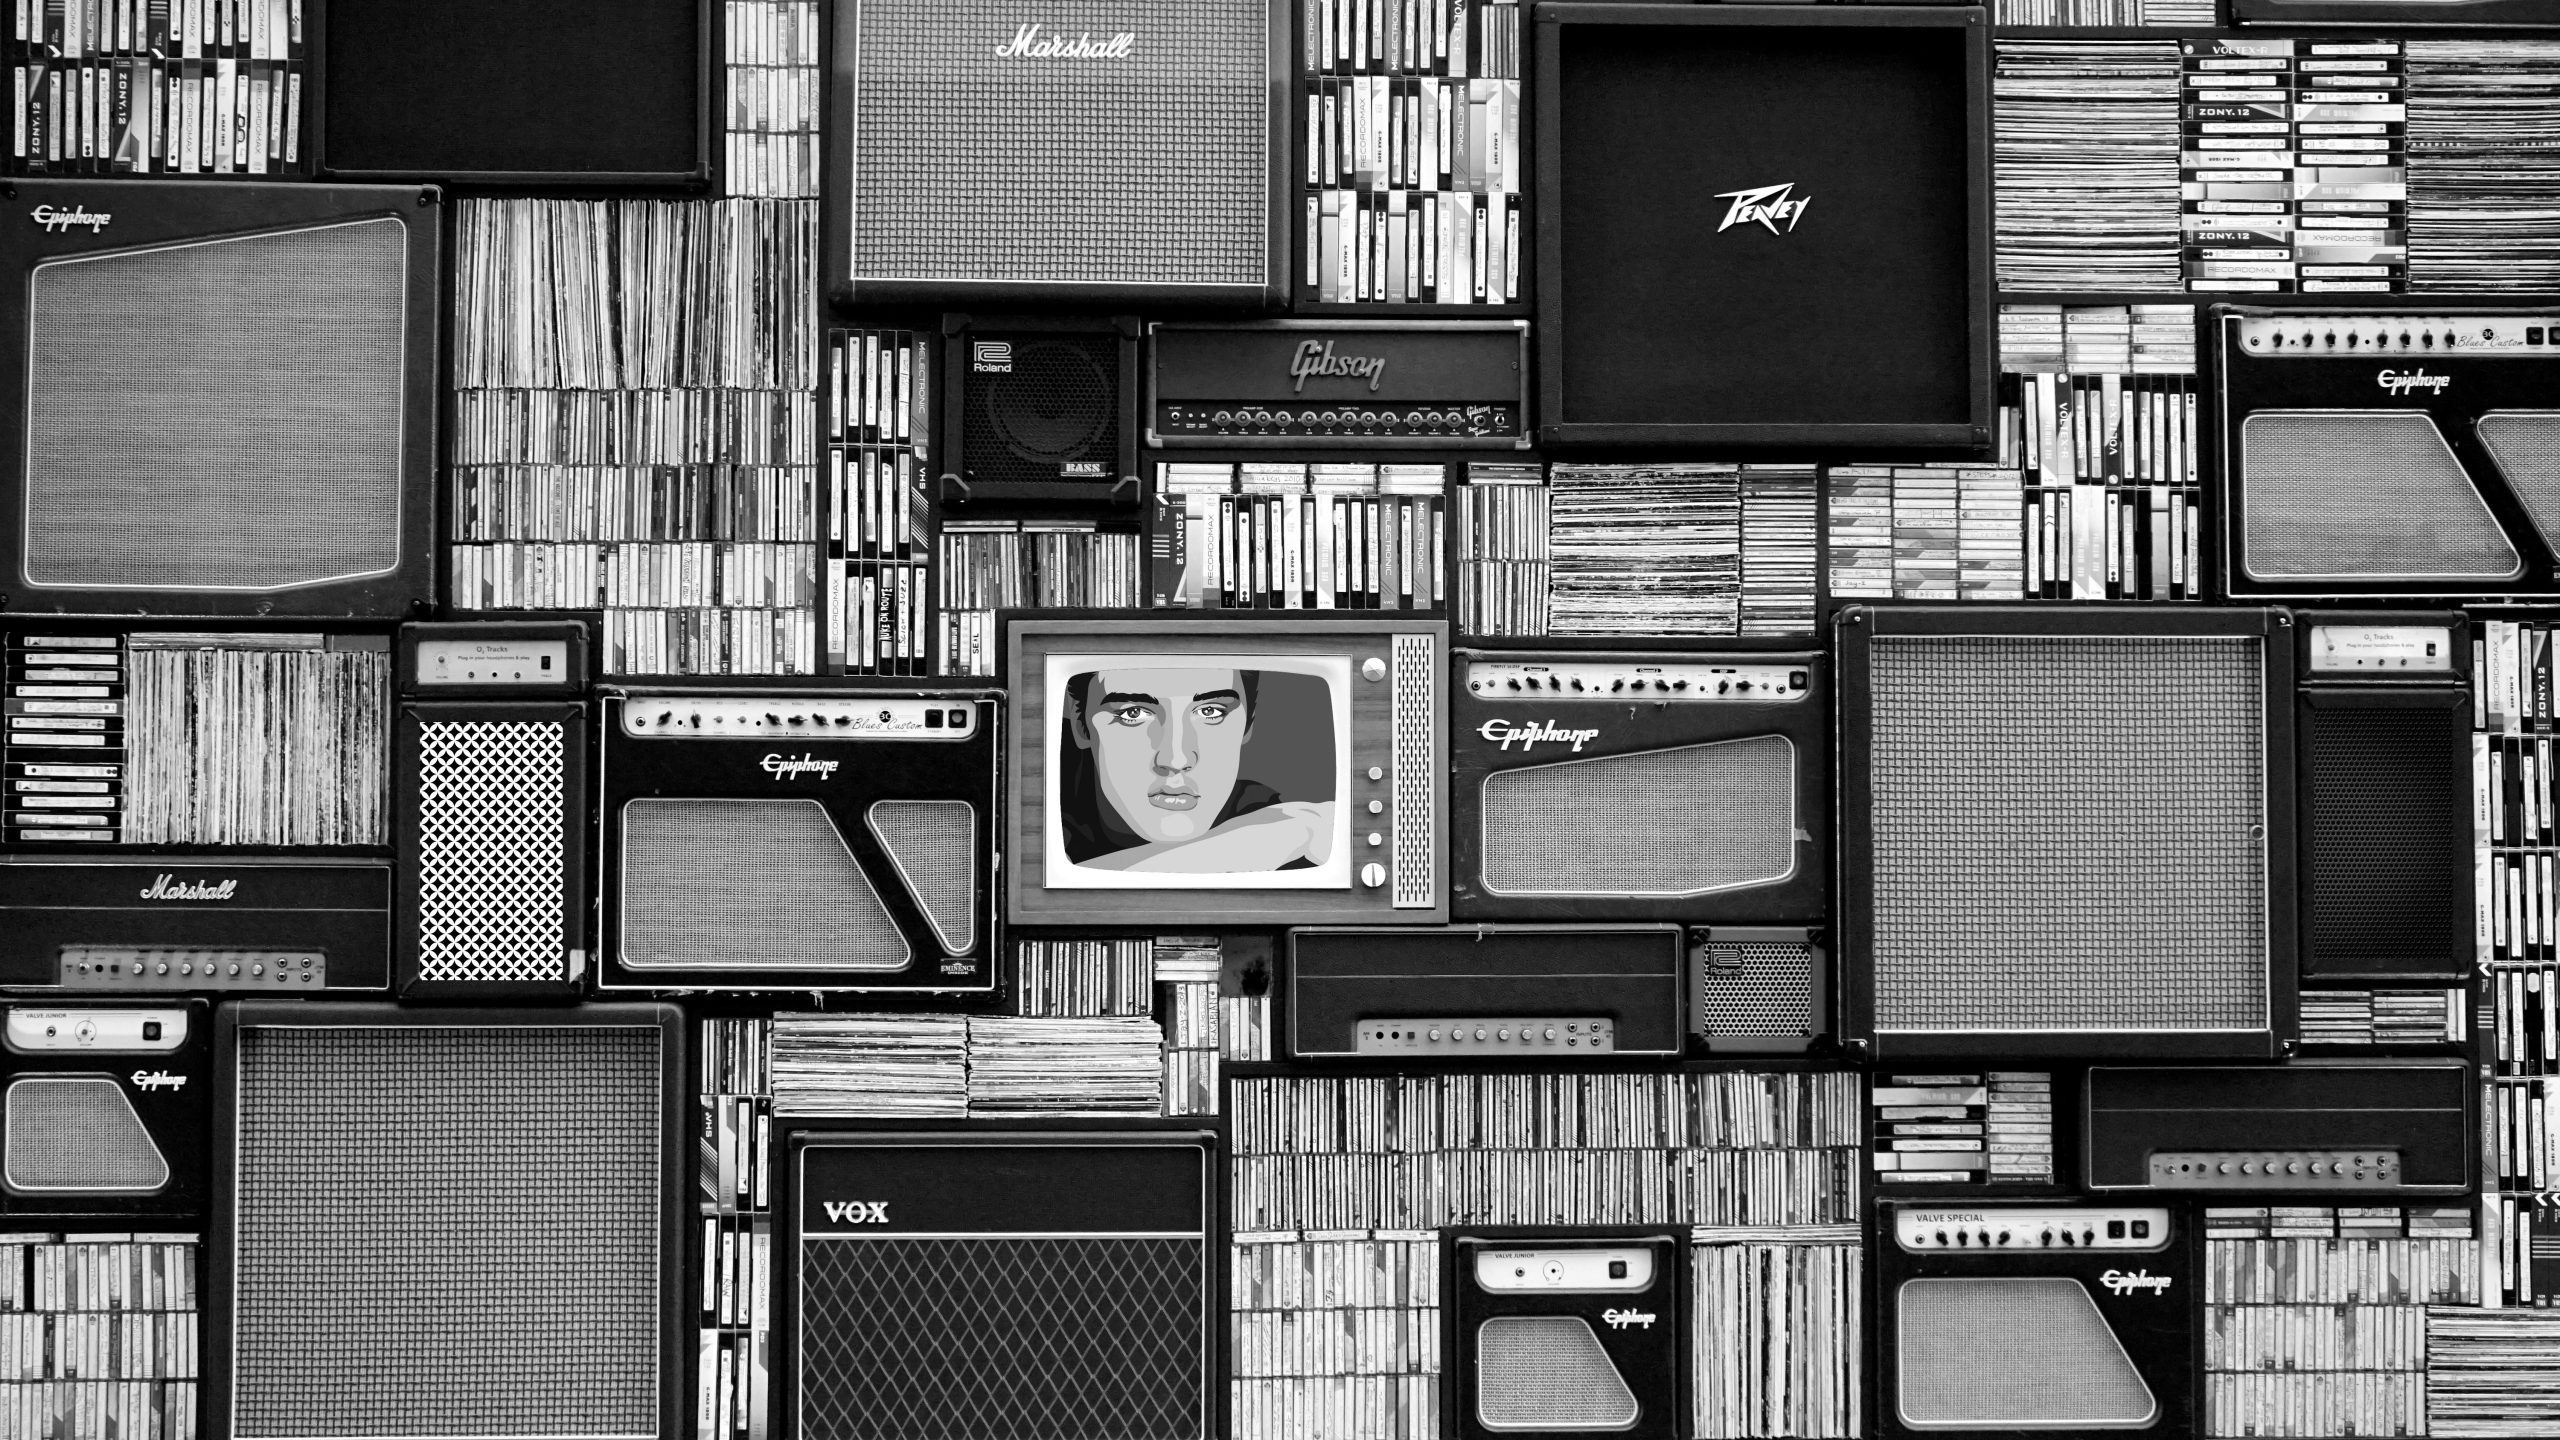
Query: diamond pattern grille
(492, 811)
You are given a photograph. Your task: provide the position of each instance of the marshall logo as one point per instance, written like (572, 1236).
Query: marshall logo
(158, 1080)
(1029, 44)
(1316, 357)
(170, 887)
(57, 220)
(857, 1212)
(2125, 1282)
(1531, 735)
(991, 357)
(1765, 206)
(1621, 1319)
(2401, 382)
(787, 767)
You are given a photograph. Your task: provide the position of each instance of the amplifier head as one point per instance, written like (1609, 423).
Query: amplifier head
(1538, 993)
(2312, 1126)
(105, 1109)
(1568, 1333)
(1359, 384)
(1043, 402)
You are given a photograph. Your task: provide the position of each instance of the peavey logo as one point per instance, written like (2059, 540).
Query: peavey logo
(1766, 206)
(1029, 44)
(57, 220)
(1621, 1319)
(1316, 357)
(1533, 734)
(786, 767)
(2401, 382)
(2125, 1282)
(170, 887)
(158, 1080)
(857, 1212)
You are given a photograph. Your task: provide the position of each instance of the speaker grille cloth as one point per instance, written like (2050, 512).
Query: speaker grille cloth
(1755, 988)
(78, 1135)
(492, 830)
(2363, 494)
(1689, 821)
(1151, 168)
(2526, 446)
(446, 1231)
(224, 415)
(2390, 838)
(1548, 1372)
(1060, 402)
(1001, 1339)
(2013, 1353)
(934, 844)
(2046, 856)
(748, 884)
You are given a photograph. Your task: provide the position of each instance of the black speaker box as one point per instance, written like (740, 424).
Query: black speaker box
(1764, 225)
(1568, 1333)
(106, 1109)
(1039, 408)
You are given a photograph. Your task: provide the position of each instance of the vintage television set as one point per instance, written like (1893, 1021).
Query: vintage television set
(225, 398)
(1226, 772)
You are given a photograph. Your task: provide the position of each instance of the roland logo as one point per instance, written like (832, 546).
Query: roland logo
(991, 357)
(2401, 382)
(1621, 1319)
(857, 1212)
(158, 1080)
(55, 220)
(1034, 42)
(1534, 734)
(1764, 207)
(2125, 1282)
(170, 887)
(791, 767)
(1316, 357)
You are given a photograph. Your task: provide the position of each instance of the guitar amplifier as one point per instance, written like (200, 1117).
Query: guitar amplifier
(2359, 1127)
(1519, 992)
(1331, 384)
(106, 1109)
(1039, 406)
(1569, 1334)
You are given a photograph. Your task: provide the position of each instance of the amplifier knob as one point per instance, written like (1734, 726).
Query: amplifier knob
(1502, 1034)
(1373, 874)
(2004, 1237)
(1551, 1032)
(1942, 1237)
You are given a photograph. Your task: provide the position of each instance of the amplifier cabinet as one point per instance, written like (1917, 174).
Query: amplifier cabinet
(1589, 785)
(1519, 993)
(1575, 1332)
(2400, 1127)
(1042, 407)
(106, 1109)
(803, 840)
(1336, 384)
(182, 922)
(1758, 989)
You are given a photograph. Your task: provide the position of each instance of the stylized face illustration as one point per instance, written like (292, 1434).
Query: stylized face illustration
(1166, 744)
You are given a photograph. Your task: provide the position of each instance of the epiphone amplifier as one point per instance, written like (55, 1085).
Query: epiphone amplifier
(1363, 384)
(1999, 1320)
(805, 840)
(1599, 786)
(106, 1109)
(963, 162)
(985, 1285)
(194, 922)
(1573, 1334)
(493, 809)
(1519, 992)
(224, 398)
(1039, 407)
(2395, 14)
(2389, 451)
(2374, 1128)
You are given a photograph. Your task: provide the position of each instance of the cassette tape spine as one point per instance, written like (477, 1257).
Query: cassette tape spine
(158, 87)
(879, 518)
(102, 1334)
(1286, 536)
(770, 104)
(733, 1394)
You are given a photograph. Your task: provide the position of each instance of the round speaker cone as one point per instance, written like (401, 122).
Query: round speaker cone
(1055, 404)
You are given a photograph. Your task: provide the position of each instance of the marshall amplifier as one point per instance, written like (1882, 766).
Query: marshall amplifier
(1569, 1334)
(163, 923)
(1040, 407)
(2388, 451)
(1595, 786)
(491, 760)
(804, 840)
(1525, 992)
(2047, 1320)
(1362, 384)
(2370, 1128)
(106, 1109)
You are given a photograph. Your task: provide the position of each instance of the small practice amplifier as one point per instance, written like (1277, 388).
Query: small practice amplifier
(1047, 402)
(1366, 384)
(1758, 989)
(107, 1109)
(1527, 992)
(1569, 1334)
(2371, 1128)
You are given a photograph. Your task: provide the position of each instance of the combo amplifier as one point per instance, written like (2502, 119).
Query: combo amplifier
(2372, 1128)
(1506, 992)
(1569, 1334)
(108, 1109)
(804, 840)
(1040, 406)
(2008, 1320)
(1758, 989)
(1363, 384)
(2388, 451)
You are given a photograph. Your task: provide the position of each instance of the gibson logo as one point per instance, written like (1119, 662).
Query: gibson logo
(857, 1212)
(1316, 357)
(169, 887)
(2401, 382)
(158, 1080)
(785, 767)
(2125, 1282)
(1765, 206)
(1029, 44)
(1621, 1319)
(1503, 732)
(56, 220)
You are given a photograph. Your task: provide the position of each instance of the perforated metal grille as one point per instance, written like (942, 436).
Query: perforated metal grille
(1416, 823)
(1058, 403)
(934, 844)
(2390, 854)
(446, 1231)
(1149, 168)
(492, 828)
(78, 1135)
(1687, 821)
(1548, 1372)
(2526, 446)
(2363, 494)
(2013, 1353)
(1758, 988)
(221, 415)
(1001, 1339)
(2048, 856)
(748, 885)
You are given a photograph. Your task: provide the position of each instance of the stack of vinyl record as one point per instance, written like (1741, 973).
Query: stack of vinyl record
(2484, 165)
(903, 1067)
(2085, 164)
(2493, 1372)
(1645, 550)
(1109, 1065)
(1778, 545)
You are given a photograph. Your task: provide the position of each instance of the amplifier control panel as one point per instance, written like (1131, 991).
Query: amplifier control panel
(2403, 336)
(1197, 420)
(117, 967)
(1703, 682)
(34, 1030)
(1572, 1035)
(784, 717)
(2036, 1227)
(2381, 649)
(2274, 1169)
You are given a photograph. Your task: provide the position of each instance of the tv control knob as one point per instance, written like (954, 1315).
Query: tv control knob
(1376, 839)
(1377, 773)
(1373, 669)
(1377, 807)
(1373, 874)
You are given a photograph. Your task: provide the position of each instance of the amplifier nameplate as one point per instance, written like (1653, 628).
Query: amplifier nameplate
(2274, 1169)
(494, 661)
(1481, 1035)
(2388, 649)
(2032, 1227)
(116, 967)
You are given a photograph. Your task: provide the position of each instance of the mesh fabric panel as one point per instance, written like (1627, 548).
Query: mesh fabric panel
(2047, 855)
(934, 844)
(1755, 988)
(2013, 1353)
(1548, 1372)
(1147, 169)
(2526, 446)
(78, 1135)
(447, 1231)
(492, 824)
(1001, 1339)
(748, 885)
(2391, 859)
(1689, 821)
(1415, 736)
(221, 415)
(2363, 494)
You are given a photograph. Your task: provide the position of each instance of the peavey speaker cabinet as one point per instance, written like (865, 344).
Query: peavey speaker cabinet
(1096, 152)
(1576, 1333)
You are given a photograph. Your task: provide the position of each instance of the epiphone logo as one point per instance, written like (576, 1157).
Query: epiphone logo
(857, 1212)
(1621, 1319)
(2125, 1282)
(786, 767)
(56, 220)
(158, 1080)
(170, 887)
(1316, 357)
(1029, 44)
(1764, 207)
(2401, 382)
(1533, 734)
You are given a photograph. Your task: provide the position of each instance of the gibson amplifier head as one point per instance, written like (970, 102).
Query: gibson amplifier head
(1041, 402)
(1522, 992)
(1365, 384)
(1569, 1334)
(799, 840)
(105, 1109)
